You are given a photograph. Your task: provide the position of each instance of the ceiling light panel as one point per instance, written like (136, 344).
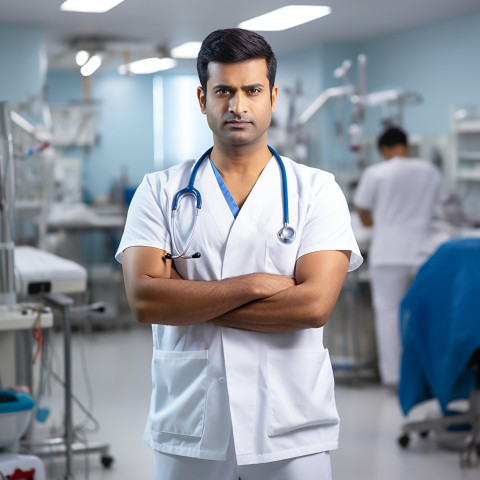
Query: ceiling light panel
(147, 65)
(89, 6)
(186, 50)
(286, 17)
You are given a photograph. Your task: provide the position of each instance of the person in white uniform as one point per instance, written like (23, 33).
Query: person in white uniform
(242, 385)
(397, 197)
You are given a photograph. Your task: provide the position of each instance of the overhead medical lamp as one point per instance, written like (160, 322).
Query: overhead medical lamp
(81, 57)
(91, 66)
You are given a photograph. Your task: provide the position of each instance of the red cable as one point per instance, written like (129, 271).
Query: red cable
(39, 337)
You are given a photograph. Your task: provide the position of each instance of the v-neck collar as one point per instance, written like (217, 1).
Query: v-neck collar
(256, 191)
(214, 202)
(234, 208)
(230, 201)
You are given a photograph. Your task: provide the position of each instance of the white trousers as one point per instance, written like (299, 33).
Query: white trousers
(389, 285)
(174, 467)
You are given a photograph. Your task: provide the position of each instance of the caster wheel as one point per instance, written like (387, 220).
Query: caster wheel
(107, 461)
(404, 440)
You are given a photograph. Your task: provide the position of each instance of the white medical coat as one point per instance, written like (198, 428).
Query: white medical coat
(401, 194)
(275, 390)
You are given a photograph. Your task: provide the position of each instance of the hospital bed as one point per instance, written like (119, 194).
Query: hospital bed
(441, 347)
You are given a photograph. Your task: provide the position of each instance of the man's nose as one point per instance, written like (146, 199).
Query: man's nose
(238, 103)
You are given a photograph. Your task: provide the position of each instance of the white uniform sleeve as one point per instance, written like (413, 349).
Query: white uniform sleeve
(328, 225)
(146, 224)
(365, 194)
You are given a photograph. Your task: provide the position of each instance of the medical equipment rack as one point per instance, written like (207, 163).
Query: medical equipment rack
(349, 362)
(66, 445)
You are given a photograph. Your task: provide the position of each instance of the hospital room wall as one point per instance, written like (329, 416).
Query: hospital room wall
(439, 60)
(23, 63)
(124, 146)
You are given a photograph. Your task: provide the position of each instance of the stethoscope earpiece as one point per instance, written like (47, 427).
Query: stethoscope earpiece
(286, 235)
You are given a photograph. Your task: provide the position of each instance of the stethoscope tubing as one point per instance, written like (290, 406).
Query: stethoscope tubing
(286, 219)
(286, 234)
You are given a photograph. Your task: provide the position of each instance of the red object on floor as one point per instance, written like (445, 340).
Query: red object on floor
(21, 475)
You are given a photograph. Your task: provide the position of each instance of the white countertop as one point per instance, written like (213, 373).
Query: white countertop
(23, 317)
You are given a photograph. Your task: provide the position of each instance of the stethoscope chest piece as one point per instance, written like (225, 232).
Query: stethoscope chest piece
(287, 234)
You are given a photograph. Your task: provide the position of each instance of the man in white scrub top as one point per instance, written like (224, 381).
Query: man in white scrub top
(398, 198)
(242, 385)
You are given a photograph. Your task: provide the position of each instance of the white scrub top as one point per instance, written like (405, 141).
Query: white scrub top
(401, 194)
(276, 391)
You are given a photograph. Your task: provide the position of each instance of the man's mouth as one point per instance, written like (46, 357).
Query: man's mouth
(238, 123)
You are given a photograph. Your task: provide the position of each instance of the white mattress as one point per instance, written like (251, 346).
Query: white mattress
(38, 271)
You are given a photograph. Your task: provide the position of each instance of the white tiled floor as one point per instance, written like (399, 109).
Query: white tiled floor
(118, 365)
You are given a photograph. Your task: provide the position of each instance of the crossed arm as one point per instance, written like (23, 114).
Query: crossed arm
(258, 301)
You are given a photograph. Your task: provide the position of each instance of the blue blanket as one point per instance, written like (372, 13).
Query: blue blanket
(440, 323)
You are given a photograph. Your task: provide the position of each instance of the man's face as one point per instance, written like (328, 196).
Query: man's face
(238, 107)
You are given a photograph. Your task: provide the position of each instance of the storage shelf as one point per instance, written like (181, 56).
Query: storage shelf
(469, 175)
(469, 156)
(468, 127)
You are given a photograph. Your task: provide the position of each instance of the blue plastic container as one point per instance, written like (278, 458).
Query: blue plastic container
(15, 414)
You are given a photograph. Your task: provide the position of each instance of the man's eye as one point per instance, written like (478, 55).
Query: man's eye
(223, 91)
(255, 90)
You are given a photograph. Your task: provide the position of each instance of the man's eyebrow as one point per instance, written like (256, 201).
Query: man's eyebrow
(253, 85)
(245, 87)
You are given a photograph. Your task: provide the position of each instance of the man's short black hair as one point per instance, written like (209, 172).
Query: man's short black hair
(392, 136)
(232, 45)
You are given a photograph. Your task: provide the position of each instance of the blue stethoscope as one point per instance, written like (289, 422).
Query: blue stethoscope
(286, 234)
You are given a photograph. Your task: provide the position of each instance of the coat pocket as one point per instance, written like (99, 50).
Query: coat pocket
(179, 392)
(280, 258)
(300, 390)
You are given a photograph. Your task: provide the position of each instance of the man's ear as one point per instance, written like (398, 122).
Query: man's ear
(385, 152)
(274, 97)
(201, 99)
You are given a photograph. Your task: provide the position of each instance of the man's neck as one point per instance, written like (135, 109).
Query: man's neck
(240, 167)
(241, 160)
(397, 151)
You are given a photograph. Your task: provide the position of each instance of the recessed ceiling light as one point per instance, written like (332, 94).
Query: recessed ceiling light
(147, 65)
(186, 50)
(89, 6)
(286, 17)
